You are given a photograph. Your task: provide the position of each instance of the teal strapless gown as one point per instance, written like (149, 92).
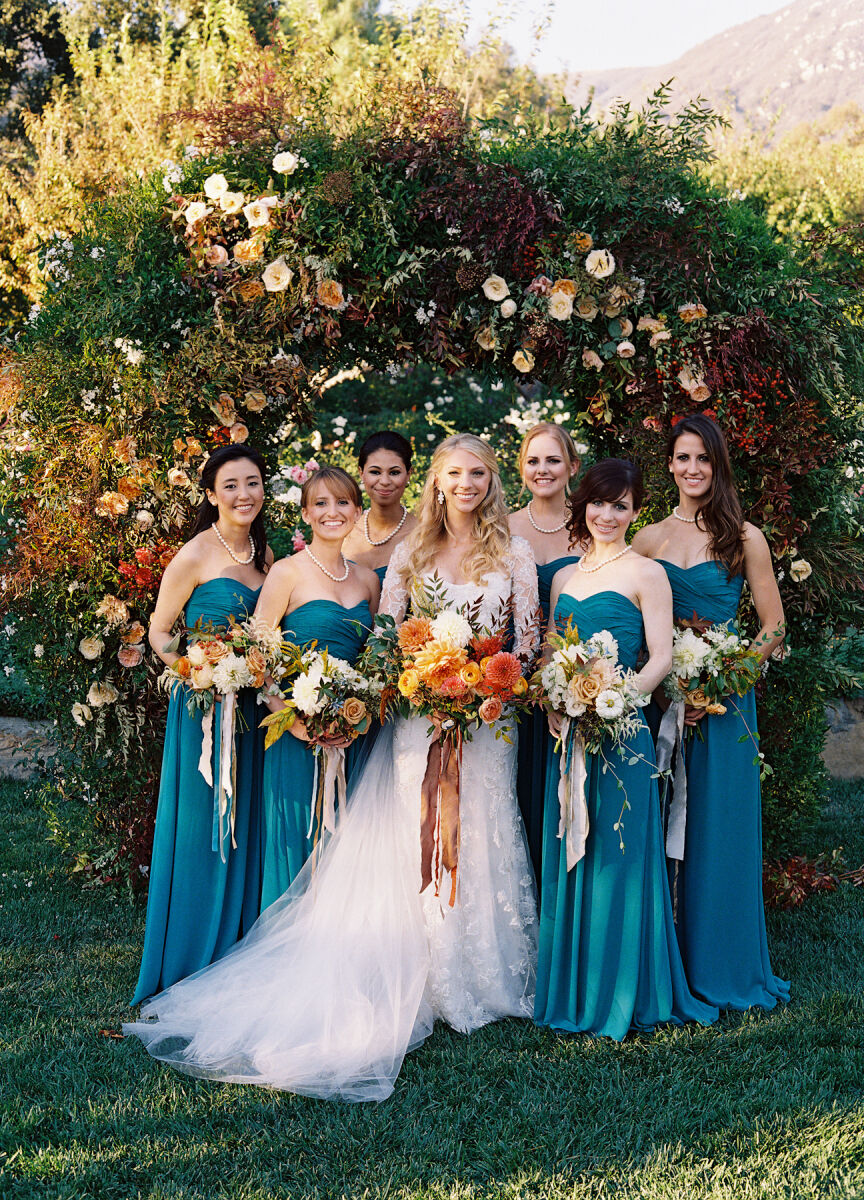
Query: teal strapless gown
(199, 906)
(608, 957)
(534, 739)
(380, 572)
(718, 889)
(289, 764)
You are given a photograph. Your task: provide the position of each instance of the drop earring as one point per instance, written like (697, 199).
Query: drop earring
(440, 496)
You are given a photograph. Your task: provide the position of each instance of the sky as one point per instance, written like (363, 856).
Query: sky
(589, 35)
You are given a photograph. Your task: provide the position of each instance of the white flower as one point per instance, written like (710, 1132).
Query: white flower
(508, 308)
(9, 670)
(495, 288)
(230, 674)
(277, 275)
(215, 186)
(292, 496)
(101, 694)
(626, 349)
(689, 653)
(286, 163)
(600, 264)
(573, 708)
(231, 202)
(38, 651)
(800, 569)
(196, 211)
(91, 647)
(81, 713)
(305, 694)
(560, 306)
(609, 704)
(606, 642)
(257, 214)
(451, 629)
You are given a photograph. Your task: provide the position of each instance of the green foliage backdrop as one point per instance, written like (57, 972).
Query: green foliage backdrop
(285, 279)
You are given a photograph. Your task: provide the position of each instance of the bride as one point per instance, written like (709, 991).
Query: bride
(349, 969)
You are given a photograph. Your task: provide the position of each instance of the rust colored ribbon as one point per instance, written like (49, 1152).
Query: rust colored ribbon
(439, 812)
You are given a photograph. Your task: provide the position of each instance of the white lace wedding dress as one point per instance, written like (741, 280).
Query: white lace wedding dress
(349, 969)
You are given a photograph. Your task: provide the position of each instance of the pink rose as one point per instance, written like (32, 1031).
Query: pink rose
(130, 656)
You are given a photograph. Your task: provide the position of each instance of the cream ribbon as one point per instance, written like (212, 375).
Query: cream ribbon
(670, 744)
(573, 807)
(327, 788)
(224, 813)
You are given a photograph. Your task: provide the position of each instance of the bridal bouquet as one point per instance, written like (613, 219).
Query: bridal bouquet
(598, 699)
(217, 664)
(710, 664)
(443, 664)
(333, 700)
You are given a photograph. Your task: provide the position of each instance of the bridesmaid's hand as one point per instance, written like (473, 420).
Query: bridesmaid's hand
(555, 719)
(300, 731)
(692, 716)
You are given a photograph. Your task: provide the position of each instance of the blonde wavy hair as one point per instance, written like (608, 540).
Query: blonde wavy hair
(562, 437)
(491, 533)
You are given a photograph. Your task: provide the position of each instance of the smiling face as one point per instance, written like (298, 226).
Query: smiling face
(691, 467)
(238, 491)
(609, 520)
(384, 477)
(546, 469)
(464, 480)
(329, 514)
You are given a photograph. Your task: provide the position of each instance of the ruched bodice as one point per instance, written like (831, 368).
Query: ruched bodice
(605, 610)
(704, 589)
(330, 625)
(546, 572)
(216, 600)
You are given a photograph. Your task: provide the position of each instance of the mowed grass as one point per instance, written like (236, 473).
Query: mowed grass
(767, 1105)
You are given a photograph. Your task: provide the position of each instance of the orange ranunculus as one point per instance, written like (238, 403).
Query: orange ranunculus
(135, 633)
(520, 687)
(471, 674)
(502, 671)
(414, 633)
(330, 294)
(183, 667)
(130, 656)
(409, 682)
(491, 709)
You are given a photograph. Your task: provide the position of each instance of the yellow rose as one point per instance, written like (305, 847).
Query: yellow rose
(523, 360)
(520, 687)
(409, 681)
(592, 360)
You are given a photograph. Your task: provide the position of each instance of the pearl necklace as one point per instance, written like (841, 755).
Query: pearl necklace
(557, 528)
(392, 532)
(604, 563)
(243, 562)
(687, 520)
(329, 574)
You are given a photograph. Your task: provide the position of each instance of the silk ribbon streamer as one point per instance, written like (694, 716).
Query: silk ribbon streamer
(226, 786)
(439, 812)
(572, 805)
(328, 788)
(670, 744)
(205, 764)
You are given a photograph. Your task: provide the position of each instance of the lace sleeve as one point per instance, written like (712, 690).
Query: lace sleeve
(394, 593)
(526, 601)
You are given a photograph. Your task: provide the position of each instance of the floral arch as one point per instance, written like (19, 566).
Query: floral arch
(233, 294)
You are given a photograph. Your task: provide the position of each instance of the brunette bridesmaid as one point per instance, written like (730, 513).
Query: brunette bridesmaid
(204, 886)
(708, 552)
(385, 468)
(318, 596)
(547, 463)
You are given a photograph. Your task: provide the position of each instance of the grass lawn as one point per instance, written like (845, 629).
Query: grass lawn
(768, 1105)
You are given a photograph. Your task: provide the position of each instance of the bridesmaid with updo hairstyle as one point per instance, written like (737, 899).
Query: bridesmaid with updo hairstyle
(204, 883)
(709, 551)
(385, 468)
(548, 461)
(317, 596)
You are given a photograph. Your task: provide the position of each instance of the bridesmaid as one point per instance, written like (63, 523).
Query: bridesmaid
(317, 596)
(708, 551)
(385, 468)
(547, 463)
(204, 896)
(608, 957)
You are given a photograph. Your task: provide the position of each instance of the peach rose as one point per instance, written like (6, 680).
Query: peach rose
(249, 289)
(354, 710)
(697, 698)
(183, 667)
(216, 256)
(523, 360)
(330, 294)
(567, 286)
(248, 251)
(255, 401)
(214, 651)
(130, 656)
(490, 710)
(651, 324)
(592, 360)
(113, 610)
(662, 335)
(144, 519)
(112, 504)
(239, 432)
(584, 688)
(134, 634)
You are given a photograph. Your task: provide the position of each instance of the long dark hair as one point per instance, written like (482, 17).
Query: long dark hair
(607, 480)
(385, 439)
(208, 513)
(720, 514)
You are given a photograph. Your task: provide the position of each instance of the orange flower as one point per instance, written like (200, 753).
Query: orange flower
(249, 289)
(409, 681)
(248, 251)
(414, 633)
(485, 647)
(471, 674)
(502, 671)
(125, 449)
(583, 242)
(183, 667)
(239, 432)
(214, 650)
(567, 286)
(129, 488)
(135, 633)
(435, 663)
(257, 666)
(354, 710)
(520, 687)
(111, 504)
(453, 686)
(330, 294)
(491, 709)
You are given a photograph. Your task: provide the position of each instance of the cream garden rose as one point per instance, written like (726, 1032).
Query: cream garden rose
(587, 308)
(485, 339)
(277, 276)
(257, 214)
(495, 288)
(560, 306)
(523, 360)
(215, 186)
(81, 713)
(592, 360)
(231, 202)
(625, 349)
(91, 647)
(101, 694)
(508, 308)
(600, 264)
(196, 211)
(800, 570)
(286, 163)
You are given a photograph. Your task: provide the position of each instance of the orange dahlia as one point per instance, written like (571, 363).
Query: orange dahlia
(502, 671)
(436, 663)
(414, 633)
(453, 686)
(485, 647)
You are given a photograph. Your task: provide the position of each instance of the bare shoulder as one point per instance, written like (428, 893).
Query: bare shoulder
(367, 577)
(284, 570)
(648, 540)
(518, 522)
(190, 557)
(649, 571)
(753, 536)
